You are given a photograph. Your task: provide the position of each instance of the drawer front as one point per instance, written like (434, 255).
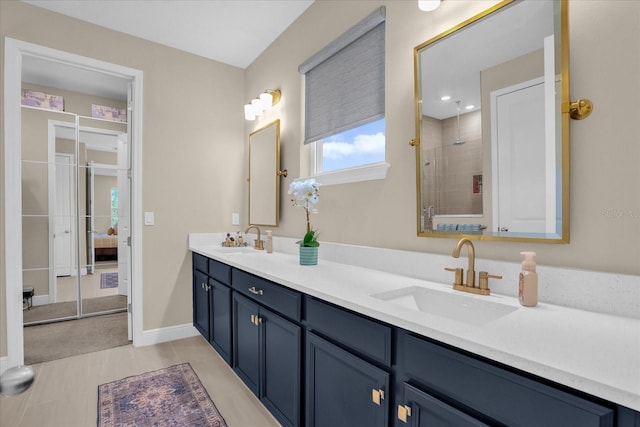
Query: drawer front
(361, 334)
(280, 299)
(499, 394)
(219, 271)
(200, 262)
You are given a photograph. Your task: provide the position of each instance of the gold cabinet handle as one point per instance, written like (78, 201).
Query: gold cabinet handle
(377, 396)
(404, 412)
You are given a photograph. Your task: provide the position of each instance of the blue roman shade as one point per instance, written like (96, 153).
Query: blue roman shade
(344, 81)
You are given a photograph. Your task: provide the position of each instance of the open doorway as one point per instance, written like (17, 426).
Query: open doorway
(27, 202)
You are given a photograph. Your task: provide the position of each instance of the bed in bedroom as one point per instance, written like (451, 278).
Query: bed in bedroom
(106, 247)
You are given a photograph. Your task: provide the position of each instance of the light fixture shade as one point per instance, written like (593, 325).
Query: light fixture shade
(266, 99)
(257, 107)
(249, 114)
(428, 5)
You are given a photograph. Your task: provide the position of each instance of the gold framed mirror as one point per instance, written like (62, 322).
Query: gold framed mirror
(264, 175)
(492, 126)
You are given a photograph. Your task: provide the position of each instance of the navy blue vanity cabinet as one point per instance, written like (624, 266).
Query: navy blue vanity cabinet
(488, 392)
(343, 390)
(267, 357)
(347, 382)
(220, 333)
(220, 318)
(246, 342)
(212, 303)
(423, 410)
(200, 295)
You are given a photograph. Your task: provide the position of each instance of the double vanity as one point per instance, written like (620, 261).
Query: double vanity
(344, 345)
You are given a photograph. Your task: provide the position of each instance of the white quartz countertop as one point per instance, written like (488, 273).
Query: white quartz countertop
(588, 351)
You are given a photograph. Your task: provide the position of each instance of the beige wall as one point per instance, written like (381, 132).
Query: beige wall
(192, 142)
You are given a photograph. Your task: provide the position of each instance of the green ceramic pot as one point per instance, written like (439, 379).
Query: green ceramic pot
(308, 255)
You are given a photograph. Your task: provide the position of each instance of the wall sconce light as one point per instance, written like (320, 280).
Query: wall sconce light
(428, 5)
(261, 103)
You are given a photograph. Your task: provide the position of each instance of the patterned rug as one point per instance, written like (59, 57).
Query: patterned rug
(108, 280)
(172, 396)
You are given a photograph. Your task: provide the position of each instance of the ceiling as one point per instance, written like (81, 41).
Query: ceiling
(230, 31)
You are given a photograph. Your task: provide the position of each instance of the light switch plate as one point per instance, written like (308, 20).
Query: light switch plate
(149, 218)
(235, 219)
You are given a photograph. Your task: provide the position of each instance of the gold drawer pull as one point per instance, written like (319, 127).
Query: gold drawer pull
(377, 396)
(404, 412)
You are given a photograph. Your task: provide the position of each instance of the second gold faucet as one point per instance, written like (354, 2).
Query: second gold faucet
(258, 243)
(470, 286)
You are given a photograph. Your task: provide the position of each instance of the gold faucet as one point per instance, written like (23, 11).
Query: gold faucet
(470, 286)
(257, 244)
(471, 269)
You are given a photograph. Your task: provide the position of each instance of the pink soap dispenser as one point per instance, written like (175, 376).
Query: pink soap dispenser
(528, 286)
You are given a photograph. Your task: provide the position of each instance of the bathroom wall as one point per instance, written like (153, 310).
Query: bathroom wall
(605, 200)
(193, 130)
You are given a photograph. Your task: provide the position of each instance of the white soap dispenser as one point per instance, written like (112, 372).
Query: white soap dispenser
(528, 285)
(269, 242)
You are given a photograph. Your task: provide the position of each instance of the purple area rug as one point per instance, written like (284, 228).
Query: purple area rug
(172, 396)
(108, 280)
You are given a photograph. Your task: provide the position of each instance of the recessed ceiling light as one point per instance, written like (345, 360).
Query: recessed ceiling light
(469, 107)
(445, 98)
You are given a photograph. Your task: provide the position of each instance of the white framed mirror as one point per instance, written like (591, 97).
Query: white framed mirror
(492, 126)
(264, 175)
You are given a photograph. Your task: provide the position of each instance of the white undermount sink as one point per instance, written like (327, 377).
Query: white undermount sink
(453, 305)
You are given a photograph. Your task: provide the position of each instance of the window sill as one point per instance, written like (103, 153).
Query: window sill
(370, 172)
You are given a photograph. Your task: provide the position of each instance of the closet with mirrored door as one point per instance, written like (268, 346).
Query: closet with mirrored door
(75, 206)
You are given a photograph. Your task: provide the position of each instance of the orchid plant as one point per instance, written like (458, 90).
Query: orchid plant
(305, 194)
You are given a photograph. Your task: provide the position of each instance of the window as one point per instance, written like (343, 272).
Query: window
(362, 145)
(114, 207)
(345, 98)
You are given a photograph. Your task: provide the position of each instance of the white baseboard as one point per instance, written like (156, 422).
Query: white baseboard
(171, 333)
(40, 300)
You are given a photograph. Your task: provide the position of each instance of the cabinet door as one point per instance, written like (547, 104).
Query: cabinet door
(246, 349)
(220, 318)
(201, 303)
(341, 388)
(280, 390)
(423, 410)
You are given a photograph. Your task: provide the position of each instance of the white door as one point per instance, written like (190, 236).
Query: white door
(63, 234)
(521, 192)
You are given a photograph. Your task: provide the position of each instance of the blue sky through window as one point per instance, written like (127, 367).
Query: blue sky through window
(355, 147)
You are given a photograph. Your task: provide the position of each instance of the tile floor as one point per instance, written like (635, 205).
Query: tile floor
(65, 392)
